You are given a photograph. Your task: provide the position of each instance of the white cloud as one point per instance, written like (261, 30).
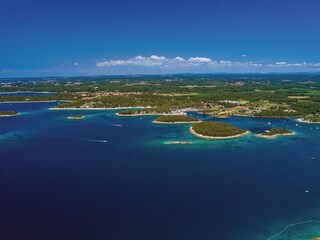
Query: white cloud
(199, 59)
(157, 58)
(281, 63)
(179, 59)
(76, 64)
(244, 55)
(139, 58)
(205, 64)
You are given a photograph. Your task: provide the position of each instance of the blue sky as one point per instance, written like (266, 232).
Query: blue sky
(59, 37)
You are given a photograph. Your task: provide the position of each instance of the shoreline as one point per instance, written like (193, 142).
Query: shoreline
(178, 142)
(185, 122)
(76, 118)
(138, 115)
(260, 135)
(302, 120)
(149, 114)
(10, 115)
(218, 138)
(92, 109)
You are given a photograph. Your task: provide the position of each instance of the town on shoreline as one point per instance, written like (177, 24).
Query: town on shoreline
(171, 98)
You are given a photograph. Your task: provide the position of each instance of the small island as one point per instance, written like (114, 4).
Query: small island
(76, 117)
(8, 113)
(217, 130)
(178, 142)
(275, 132)
(173, 119)
(311, 118)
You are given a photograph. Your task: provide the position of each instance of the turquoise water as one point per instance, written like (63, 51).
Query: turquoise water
(107, 177)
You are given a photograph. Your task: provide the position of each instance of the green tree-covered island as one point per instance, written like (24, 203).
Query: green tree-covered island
(8, 113)
(76, 117)
(275, 132)
(217, 130)
(173, 119)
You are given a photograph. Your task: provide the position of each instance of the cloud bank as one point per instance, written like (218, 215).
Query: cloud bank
(205, 64)
(156, 64)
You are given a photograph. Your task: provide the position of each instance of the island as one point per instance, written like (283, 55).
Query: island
(174, 119)
(275, 132)
(310, 118)
(178, 142)
(76, 117)
(8, 113)
(217, 130)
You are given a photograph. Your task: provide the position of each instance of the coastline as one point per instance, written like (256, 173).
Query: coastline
(92, 109)
(218, 138)
(138, 115)
(302, 120)
(178, 142)
(185, 122)
(10, 115)
(260, 135)
(76, 118)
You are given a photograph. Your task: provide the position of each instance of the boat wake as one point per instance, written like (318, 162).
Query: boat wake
(292, 225)
(98, 140)
(115, 125)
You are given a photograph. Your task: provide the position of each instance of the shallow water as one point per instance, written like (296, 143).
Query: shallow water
(107, 177)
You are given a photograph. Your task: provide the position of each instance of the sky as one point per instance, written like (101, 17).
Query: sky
(106, 37)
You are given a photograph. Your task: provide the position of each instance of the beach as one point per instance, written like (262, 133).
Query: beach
(260, 135)
(218, 138)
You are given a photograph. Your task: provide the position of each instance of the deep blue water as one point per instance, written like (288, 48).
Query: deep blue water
(60, 179)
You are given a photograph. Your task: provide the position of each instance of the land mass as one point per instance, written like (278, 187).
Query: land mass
(270, 95)
(173, 119)
(76, 117)
(8, 113)
(311, 118)
(178, 142)
(275, 132)
(217, 130)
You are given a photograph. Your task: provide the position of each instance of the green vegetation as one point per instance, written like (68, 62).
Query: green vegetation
(8, 113)
(128, 112)
(219, 95)
(217, 129)
(145, 111)
(312, 118)
(276, 131)
(76, 117)
(176, 119)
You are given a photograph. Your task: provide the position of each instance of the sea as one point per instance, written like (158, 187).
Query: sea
(117, 178)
